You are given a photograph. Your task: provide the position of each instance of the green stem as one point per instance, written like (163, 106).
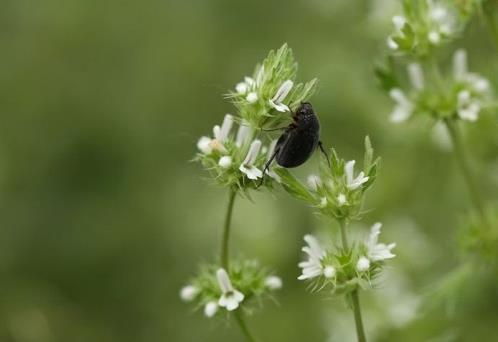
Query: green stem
(243, 326)
(355, 297)
(489, 15)
(360, 332)
(463, 162)
(226, 230)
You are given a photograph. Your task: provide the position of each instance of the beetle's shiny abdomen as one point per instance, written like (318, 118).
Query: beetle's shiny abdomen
(297, 144)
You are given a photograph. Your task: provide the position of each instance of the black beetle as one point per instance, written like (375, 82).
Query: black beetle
(299, 140)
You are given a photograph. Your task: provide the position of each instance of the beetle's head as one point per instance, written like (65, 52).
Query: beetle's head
(305, 109)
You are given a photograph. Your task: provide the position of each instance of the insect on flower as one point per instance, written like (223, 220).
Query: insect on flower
(299, 140)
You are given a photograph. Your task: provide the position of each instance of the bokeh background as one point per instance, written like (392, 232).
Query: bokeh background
(103, 218)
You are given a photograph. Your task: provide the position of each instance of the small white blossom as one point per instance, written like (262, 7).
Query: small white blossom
(443, 21)
(323, 202)
(243, 87)
(204, 145)
(403, 108)
(353, 183)
(341, 199)
(314, 182)
(281, 94)
(441, 137)
(230, 298)
(210, 309)
(378, 251)
(329, 272)
(416, 75)
(252, 97)
(313, 266)
(460, 72)
(222, 133)
(273, 282)
(225, 162)
(242, 134)
(434, 37)
(188, 293)
(392, 44)
(363, 264)
(468, 109)
(247, 167)
(399, 21)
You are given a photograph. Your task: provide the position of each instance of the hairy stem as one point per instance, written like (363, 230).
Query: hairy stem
(355, 298)
(226, 230)
(464, 164)
(243, 326)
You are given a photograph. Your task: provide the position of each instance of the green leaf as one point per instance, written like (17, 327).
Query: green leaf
(294, 187)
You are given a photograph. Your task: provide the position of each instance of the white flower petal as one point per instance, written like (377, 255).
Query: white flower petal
(329, 272)
(210, 309)
(188, 293)
(416, 75)
(241, 88)
(399, 21)
(363, 264)
(314, 182)
(392, 44)
(252, 97)
(225, 128)
(224, 280)
(204, 145)
(434, 37)
(279, 106)
(273, 282)
(242, 134)
(225, 162)
(460, 64)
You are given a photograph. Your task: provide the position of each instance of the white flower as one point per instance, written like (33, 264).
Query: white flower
(341, 199)
(270, 171)
(353, 183)
(243, 87)
(441, 137)
(252, 97)
(363, 264)
(242, 134)
(273, 282)
(247, 166)
(225, 162)
(442, 19)
(416, 75)
(403, 108)
(282, 92)
(323, 202)
(378, 251)
(230, 297)
(329, 271)
(210, 309)
(392, 44)
(399, 21)
(206, 145)
(313, 266)
(314, 182)
(467, 108)
(460, 72)
(188, 293)
(434, 37)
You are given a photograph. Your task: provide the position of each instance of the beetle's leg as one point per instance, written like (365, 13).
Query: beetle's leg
(324, 152)
(267, 166)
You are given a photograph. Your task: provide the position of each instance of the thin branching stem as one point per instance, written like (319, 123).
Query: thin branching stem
(464, 164)
(243, 326)
(355, 297)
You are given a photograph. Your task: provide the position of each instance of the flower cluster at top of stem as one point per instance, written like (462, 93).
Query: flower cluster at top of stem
(343, 270)
(337, 192)
(461, 95)
(215, 288)
(426, 24)
(263, 100)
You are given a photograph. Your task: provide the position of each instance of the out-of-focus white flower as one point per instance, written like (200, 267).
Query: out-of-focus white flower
(313, 266)
(378, 251)
(204, 145)
(416, 75)
(280, 95)
(341, 199)
(398, 21)
(460, 72)
(225, 162)
(243, 87)
(467, 108)
(442, 21)
(329, 271)
(403, 108)
(363, 264)
(210, 309)
(314, 182)
(247, 167)
(351, 182)
(230, 298)
(441, 137)
(188, 293)
(252, 97)
(273, 282)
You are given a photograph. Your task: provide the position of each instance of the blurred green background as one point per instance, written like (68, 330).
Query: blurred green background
(103, 218)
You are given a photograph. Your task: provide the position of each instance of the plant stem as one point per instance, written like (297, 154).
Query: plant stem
(243, 326)
(226, 230)
(360, 332)
(355, 298)
(489, 16)
(344, 235)
(463, 162)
